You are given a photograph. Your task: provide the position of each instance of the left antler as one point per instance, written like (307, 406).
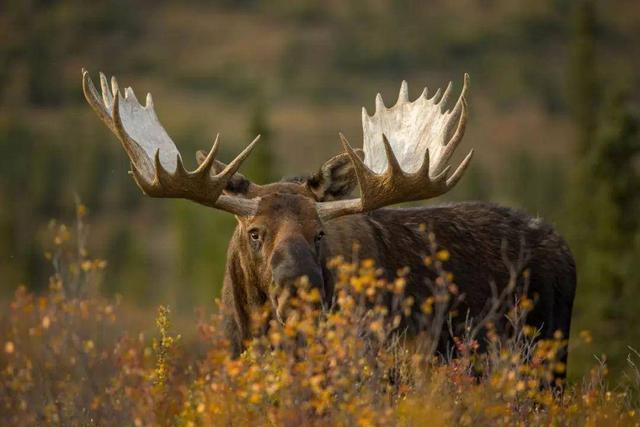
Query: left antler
(407, 149)
(156, 163)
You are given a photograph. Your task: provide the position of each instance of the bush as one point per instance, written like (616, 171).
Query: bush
(70, 357)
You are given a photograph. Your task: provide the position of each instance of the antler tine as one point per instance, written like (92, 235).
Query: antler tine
(361, 169)
(425, 168)
(459, 108)
(445, 96)
(436, 96)
(114, 85)
(235, 164)
(207, 164)
(162, 179)
(403, 95)
(458, 115)
(130, 94)
(452, 144)
(149, 101)
(393, 167)
(156, 163)
(455, 177)
(107, 96)
(93, 98)
(380, 104)
(393, 170)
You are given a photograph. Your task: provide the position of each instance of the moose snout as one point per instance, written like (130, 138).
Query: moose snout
(291, 261)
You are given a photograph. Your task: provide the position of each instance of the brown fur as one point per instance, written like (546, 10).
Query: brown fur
(477, 235)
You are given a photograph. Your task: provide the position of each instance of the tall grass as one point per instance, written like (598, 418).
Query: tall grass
(70, 357)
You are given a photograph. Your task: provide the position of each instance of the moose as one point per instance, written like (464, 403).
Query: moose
(290, 229)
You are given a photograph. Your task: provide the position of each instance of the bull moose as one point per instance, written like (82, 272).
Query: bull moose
(291, 228)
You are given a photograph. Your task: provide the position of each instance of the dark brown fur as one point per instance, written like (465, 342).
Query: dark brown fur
(478, 236)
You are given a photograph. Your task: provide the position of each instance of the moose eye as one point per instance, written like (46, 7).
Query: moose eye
(254, 233)
(320, 235)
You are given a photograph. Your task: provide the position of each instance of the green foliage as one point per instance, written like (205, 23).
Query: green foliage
(608, 225)
(604, 205)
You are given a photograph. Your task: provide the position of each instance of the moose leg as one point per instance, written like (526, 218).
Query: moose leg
(565, 293)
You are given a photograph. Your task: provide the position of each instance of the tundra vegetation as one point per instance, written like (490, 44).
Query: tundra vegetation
(71, 356)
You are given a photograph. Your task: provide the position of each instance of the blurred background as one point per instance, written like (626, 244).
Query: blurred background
(553, 120)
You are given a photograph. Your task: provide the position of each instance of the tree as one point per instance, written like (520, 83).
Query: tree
(615, 183)
(604, 204)
(259, 165)
(583, 84)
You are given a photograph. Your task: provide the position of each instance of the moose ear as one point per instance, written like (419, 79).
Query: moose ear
(335, 179)
(238, 185)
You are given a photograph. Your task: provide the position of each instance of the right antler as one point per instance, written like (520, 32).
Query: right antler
(407, 149)
(156, 163)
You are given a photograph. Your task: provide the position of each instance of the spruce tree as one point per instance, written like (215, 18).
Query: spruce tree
(259, 166)
(583, 77)
(604, 204)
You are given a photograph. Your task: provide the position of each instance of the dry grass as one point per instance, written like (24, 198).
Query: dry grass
(67, 357)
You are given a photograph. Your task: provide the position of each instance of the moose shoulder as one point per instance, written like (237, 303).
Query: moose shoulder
(290, 229)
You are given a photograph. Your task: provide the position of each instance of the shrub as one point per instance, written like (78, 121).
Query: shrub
(70, 357)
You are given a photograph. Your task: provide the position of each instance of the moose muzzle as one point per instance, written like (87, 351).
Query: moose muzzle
(292, 261)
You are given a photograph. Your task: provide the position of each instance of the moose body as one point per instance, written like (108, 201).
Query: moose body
(290, 229)
(477, 235)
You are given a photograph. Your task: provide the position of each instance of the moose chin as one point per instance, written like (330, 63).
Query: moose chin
(292, 228)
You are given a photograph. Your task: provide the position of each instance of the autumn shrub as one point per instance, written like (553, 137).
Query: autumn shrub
(68, 356)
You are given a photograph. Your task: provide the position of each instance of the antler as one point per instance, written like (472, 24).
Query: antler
(156, 163)
(407, 149)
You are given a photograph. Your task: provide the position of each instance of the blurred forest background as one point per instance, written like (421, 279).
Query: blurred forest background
(553, 120)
